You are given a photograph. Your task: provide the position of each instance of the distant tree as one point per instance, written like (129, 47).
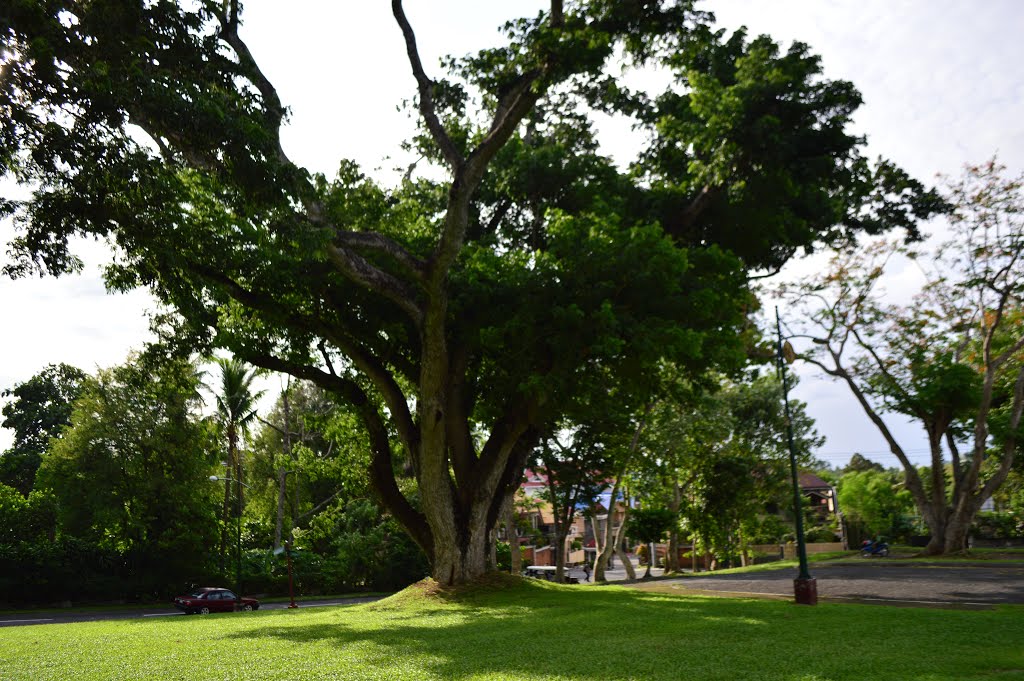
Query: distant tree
(859, 463)
(649, 526)
(722, 457)
(953, 359)
(38, 410)
(131, 472)
(236, 413)
(577, 472)
(872, 499)
(31, 519)
(310, 454)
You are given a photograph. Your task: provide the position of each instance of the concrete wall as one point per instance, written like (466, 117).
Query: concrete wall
(789, 550)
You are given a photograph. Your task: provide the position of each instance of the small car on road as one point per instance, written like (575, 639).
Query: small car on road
(213, 599)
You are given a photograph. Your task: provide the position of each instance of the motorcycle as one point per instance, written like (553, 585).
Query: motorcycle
(874, 548)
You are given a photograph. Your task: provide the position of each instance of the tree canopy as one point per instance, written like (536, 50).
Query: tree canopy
(516, 273)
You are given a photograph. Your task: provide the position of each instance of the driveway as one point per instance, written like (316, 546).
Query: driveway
(872, 581)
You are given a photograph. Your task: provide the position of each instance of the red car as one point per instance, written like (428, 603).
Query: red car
(211, 599)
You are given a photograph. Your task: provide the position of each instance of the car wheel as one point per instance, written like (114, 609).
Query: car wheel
(246, 607)
(204, 610)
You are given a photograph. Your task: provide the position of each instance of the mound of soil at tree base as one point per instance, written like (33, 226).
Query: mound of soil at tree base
(427, 590)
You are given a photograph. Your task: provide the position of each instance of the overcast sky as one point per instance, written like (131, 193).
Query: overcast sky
(941, 80)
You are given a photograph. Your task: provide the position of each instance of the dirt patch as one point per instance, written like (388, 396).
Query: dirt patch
(429, 591)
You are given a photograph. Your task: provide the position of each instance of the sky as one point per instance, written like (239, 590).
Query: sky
(941, 82)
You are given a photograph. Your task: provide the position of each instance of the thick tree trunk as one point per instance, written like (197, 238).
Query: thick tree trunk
(462, 556)
(620, 551)
(607, 544)
(949, 526)
(956, 533)
(561, 534)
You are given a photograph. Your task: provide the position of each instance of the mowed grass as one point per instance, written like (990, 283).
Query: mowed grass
(535, 630)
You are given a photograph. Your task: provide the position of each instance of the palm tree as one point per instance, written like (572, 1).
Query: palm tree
(236, 411)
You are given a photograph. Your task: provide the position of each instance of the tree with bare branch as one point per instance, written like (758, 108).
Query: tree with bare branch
(952, 359)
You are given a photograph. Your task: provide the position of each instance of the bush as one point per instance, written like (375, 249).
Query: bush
(992, 525)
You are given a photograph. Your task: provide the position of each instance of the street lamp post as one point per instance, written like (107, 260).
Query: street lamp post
(238, 535)
(805, 587)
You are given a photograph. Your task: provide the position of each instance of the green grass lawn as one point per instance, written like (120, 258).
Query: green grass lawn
(535, 630)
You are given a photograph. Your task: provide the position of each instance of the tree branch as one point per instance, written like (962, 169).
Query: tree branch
(426, 87)
(1010, 442)
(381, 466)
(512, 106)
(364, 360)
(700, 202)
(359, 270)
(273, 110)
(381, 244)
(910, 473)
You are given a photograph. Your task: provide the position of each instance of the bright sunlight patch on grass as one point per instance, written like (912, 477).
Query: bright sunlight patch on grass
(534, 631)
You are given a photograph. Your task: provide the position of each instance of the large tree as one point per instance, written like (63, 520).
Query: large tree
(478, 298)
(952, 359)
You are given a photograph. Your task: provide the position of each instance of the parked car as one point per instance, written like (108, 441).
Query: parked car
(213, 599)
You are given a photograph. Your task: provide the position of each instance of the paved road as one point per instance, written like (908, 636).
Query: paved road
(66, 616)
(876, 581)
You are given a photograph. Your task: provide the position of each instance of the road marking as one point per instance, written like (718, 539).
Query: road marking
(49, 619)
(905, 600)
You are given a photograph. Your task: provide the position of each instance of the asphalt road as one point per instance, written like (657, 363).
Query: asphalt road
(876, 581)
(871, 581)
(66, 616)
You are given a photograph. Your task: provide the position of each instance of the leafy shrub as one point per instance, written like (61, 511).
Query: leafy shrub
(992, 525)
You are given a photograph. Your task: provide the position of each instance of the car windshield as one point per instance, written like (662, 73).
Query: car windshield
(198, 594)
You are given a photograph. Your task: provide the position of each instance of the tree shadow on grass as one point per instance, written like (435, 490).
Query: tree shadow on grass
(568, 633)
